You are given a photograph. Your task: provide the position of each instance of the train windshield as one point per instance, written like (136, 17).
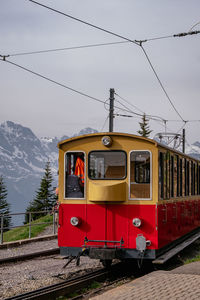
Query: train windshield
(107, 165)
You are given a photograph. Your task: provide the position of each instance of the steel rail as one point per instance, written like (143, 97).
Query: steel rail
(29, 255)
(66, 287)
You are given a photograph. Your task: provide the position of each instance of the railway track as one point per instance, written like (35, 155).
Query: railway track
(117, 272)
(71, 285)
(29, 255)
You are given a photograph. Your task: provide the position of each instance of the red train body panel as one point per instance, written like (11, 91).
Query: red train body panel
(106, 222)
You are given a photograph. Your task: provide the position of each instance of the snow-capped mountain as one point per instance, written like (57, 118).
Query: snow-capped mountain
(23, 157)
(193, 150)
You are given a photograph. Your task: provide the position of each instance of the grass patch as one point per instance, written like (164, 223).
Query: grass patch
(189, 254)
(190, 260)
(22, 233)
(94, 285)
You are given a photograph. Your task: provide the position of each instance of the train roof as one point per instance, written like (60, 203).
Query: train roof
(106, 133)
(154, 142)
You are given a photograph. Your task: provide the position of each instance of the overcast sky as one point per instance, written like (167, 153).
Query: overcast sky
(51, 110)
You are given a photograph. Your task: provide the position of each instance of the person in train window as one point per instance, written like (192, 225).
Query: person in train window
(79, 170)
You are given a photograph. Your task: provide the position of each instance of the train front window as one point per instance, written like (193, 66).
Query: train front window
(74, 174)
(140, 175)
(107, 165)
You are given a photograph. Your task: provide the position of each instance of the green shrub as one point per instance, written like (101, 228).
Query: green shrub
(21, 233)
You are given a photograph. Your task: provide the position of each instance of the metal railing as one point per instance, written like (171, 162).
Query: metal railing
(30, 223)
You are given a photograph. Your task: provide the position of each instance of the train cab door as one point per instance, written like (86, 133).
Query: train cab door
(117, 224)
(109, 224)
(96, 224)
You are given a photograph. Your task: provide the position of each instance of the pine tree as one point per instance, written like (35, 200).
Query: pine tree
(4, 206)
(45, 196)
(144, 127)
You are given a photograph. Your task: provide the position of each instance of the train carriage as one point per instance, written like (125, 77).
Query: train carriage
(124, 196)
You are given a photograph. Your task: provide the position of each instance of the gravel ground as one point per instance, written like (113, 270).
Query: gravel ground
(28, 248)
(21, 277)
(29, 275)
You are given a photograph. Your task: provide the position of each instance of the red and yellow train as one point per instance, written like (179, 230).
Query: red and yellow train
(124, 196)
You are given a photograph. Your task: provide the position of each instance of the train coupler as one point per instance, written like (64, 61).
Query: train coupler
(77, 258)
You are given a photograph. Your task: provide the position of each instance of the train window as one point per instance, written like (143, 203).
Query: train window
(185, 177)
(161, 175)
(172, 176)
(140, 175)
(167, 175)
(181, 177)
(188, 178)
(107, 165)
(74, 174)
(187, 182)
(177, 176)
(192, 169)
(195, 178)
(198, 182)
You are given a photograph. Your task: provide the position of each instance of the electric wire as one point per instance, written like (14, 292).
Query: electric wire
(129, 103)
(93, 45)
(194, 26)
(63, 85)
(154, 118)
(104, 123)
(67, 48)
(175, 136)
(53, 81)
(162, 86)
(157, 118)
(160, 120)
(84, 22)
(151, 117)
(76, 91)
(138, 43)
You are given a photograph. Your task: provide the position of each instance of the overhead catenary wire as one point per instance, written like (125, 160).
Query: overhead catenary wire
(138, 43)
(53, 81)
(125, 108)
(152, 117)
(93, 45)
(84, 22)
(129, 103)
(66, 48)
(63, 85)
(194, 26)
(162, 86)
(104, 123)
(156, 118)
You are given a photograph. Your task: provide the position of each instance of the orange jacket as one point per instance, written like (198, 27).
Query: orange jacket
(79, 169)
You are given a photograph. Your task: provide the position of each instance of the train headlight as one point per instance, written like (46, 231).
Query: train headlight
(106, 141)
(137, 222)
(74, 221)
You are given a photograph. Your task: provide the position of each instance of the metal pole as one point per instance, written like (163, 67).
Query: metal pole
(111, 114)
(29, 225)
(1, 229)
(183, 140)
